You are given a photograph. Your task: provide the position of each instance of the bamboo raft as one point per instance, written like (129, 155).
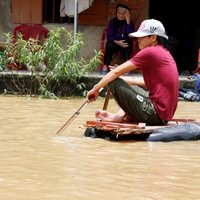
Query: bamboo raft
(118, 128)
(176, 129)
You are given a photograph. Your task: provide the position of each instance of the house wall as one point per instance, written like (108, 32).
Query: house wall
(26, 11)
(91, 37)
(91, 34)
(5, 24)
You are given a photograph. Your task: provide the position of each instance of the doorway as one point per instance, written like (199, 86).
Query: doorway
(182, 26)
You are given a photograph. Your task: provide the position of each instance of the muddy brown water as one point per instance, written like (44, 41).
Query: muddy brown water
(37, 164)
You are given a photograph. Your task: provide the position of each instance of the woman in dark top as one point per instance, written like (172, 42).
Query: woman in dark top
(118, 40)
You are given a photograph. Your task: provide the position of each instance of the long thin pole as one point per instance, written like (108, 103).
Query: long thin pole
(69, 121)
(75, 23)
(75, 17)
(105, 105)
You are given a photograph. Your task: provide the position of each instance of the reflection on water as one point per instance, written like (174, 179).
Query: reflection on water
(36, 164)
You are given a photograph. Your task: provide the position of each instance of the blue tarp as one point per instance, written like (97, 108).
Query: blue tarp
(191, 94)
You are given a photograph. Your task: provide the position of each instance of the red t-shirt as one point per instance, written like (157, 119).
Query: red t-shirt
(161, 78)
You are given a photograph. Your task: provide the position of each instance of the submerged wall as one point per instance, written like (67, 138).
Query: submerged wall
(9, 80)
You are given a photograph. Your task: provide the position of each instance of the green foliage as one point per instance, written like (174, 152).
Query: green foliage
(2, 61)
(58, 59)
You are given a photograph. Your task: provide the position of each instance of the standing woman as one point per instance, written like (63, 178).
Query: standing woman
(118, 39)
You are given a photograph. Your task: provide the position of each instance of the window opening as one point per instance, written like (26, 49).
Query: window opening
(51, 13)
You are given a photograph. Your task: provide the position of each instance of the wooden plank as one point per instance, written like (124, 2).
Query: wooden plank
(97, 14)
(26, 11)
(134, 128)
(178, 120)
(115, 125)
(118, 128)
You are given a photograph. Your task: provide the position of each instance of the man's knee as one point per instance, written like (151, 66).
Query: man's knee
(117, 85)
(115, 82)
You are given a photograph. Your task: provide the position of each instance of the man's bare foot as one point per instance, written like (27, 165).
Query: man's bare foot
(107, 116)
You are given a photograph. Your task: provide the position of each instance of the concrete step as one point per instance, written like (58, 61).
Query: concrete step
(7, 77)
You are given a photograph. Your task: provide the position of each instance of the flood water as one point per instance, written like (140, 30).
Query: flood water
(37, 164)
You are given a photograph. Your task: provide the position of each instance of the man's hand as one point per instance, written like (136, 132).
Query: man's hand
(92, 95)
(127, 16)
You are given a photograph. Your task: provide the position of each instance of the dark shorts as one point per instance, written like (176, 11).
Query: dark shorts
(135, 102)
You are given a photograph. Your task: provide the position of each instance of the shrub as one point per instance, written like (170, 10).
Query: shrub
(55, 67)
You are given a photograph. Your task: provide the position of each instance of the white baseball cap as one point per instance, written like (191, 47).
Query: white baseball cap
(150, 27)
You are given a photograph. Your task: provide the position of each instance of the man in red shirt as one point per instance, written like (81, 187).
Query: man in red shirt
(152, 98)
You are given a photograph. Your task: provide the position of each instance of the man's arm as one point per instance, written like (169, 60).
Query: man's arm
(112, 75)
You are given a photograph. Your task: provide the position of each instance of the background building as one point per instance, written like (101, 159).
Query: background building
(180, 20)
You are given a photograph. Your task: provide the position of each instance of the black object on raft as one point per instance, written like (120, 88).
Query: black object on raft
(179, 132)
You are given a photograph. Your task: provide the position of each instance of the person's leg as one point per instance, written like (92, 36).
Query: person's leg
(126, 52)
(109, 51)
(134, 102)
